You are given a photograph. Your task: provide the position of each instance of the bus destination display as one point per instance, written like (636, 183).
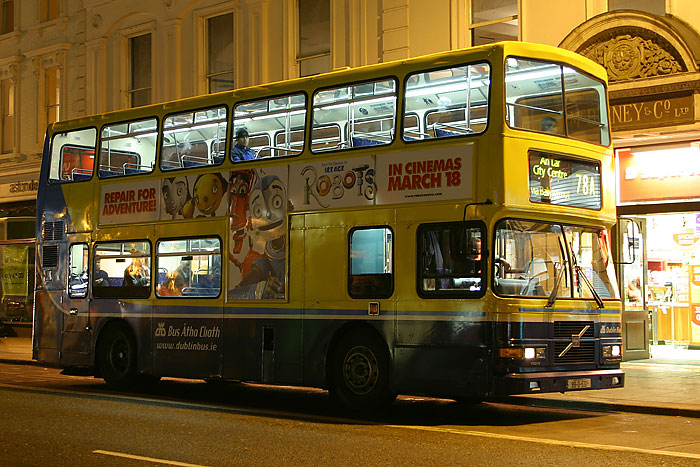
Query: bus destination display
(564, 181)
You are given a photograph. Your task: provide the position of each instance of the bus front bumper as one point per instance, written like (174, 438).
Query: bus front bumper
(559, 381)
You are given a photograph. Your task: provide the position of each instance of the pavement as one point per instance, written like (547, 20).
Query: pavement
(666, 384)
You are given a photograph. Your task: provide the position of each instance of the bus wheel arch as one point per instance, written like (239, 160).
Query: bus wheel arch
(116, 354)
(358, 368)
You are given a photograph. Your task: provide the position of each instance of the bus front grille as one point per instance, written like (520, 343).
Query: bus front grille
(566, 329)
(584, 353)
(54, 231)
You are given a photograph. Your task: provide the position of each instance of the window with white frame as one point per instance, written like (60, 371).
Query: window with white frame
(7, 116)
(493, 21)
(140, 85)
(314, 46)
(7, 15)
(48, 10)
(52, 94)
(220, 53)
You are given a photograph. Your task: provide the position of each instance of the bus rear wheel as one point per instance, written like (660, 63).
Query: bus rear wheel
(360, 372)
(117, 357)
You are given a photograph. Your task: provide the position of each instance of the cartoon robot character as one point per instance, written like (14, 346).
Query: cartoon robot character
(176, 197)
(242, 253)
(268, 224)
(208, 193)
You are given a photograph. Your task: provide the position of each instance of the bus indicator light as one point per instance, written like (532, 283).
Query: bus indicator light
(373, 309)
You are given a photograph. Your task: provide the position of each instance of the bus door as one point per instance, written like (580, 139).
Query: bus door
(633, 283)
(76, 311)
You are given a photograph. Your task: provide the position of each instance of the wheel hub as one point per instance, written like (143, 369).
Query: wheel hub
(360, 370)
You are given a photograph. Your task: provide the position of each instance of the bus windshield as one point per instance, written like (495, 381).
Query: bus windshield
(532, 258)
(552, 98)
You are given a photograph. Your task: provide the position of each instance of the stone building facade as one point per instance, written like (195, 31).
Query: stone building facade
(61, 59)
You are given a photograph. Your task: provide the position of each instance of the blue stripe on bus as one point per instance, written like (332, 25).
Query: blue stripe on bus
(587, 311)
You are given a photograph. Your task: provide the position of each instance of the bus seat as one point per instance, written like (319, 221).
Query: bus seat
(440, 133)
(357, 142)
(134, 170)
(80, 176)
(109, 173)
(116, 281)
(193, 163)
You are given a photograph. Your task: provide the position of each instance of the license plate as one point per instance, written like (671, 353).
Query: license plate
(578, 383)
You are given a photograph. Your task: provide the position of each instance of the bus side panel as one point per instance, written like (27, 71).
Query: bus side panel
(47, 326)
(442, 358)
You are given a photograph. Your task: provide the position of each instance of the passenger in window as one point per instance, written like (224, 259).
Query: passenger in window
(173, 284)
(549, 125)
(137, 273)
(241, 151)
(474, 257)
(101, 277)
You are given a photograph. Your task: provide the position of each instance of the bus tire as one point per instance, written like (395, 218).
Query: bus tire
(360, 372)
(117, 357)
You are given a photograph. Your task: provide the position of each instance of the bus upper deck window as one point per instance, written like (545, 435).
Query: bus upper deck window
(268, 128)
(128, 148)
(193, 139)
(447, 102)
(73, 155)
(537, 100)
(354, 116)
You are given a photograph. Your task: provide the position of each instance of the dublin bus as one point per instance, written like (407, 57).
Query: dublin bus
(433, 226)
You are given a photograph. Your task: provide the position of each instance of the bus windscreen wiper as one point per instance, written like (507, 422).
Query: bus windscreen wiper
(582, 277)
(555, 291)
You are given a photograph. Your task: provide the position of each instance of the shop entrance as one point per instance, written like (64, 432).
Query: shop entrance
(633, 279)
(667, 265)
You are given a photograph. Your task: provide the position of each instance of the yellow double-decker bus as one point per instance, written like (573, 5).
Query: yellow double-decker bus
(437, 226)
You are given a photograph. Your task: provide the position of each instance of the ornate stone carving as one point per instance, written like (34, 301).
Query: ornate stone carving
(629, 57)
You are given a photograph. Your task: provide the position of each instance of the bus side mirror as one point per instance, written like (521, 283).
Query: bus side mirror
(628, 235)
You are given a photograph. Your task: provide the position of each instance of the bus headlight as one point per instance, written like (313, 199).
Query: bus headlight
(534, 352)
(612, 351)
(527, 353)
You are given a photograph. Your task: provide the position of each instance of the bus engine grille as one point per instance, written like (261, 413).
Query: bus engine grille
(584, 353)
(566, 329)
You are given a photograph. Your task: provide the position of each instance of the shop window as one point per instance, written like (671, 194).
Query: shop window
(465, 89)
(283, 116)
(365, 113)
(73, 155)
(371, 263)
(450, 259)
(122, 270)
(78, 278)
(194, 139)
(189, 268)
(128, 148)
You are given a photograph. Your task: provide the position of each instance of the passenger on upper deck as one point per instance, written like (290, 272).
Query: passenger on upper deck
(241, 151)
(549, 125)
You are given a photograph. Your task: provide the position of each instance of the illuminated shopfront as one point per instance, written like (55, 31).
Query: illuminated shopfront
(662, 184)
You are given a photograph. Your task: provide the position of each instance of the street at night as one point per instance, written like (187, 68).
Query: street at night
(52, 419)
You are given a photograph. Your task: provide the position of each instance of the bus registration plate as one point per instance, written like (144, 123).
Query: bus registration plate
(578, 383)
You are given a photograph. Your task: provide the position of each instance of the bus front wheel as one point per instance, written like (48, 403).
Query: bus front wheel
(360, 370)
(117, 357)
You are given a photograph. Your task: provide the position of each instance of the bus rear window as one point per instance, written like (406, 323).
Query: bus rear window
(552, 98)
(73, 155)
